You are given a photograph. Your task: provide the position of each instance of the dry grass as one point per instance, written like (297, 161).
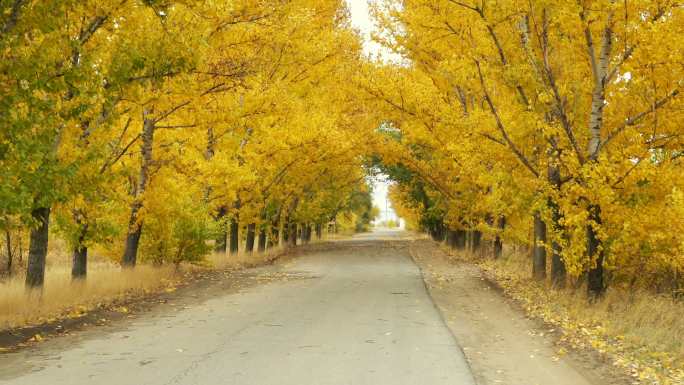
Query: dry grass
(640, 318)
(244, 260)
(61, 297)
(106, 283)
(640, 330)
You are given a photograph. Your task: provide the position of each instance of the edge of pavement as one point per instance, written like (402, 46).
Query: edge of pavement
(502, 343)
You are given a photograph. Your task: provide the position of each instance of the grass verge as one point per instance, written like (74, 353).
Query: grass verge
(107, 287)
(640, 332)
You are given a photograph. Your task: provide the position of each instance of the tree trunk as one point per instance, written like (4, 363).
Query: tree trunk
(261, 247)
(476, 240)
(498, 242)
(286, 231)
(79, 261)
(234, 232)
(221, 243)
(558, 270)
(251, 233)
(8, 239)
(292, 237)
(130, 256)
(595, 282)
(79, 267)
(539, 249)
(38, 245)
(21, 248)
(451, 238)
(461, 239)
(305, 236)
(132, 242)
(319, 231)
(273, 236)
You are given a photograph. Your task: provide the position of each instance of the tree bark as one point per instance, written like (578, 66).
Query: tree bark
(451, 238)
(498, 241)
(309, 231)
(132, 242)
(251, 233)
(595, 280)
(79, 261)
(539, 249)
(8, 239)
(234, 232)
(476, 241)
(273, 236)
(261, 247)
(461, 239)
(79, 268)
(558, 270)
(292, 234)
(130, 256)
(221, 242)
(38, 245)
(319, 231)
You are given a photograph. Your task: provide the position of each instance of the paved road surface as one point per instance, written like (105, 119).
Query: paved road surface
(358, 314)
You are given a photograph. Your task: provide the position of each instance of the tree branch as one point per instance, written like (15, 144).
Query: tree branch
(15, 12)
(501, 127)
(631, 121)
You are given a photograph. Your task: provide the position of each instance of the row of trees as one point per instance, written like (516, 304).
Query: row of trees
(561, 120)
(149, 127)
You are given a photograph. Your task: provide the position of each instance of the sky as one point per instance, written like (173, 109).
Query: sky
(361, 19)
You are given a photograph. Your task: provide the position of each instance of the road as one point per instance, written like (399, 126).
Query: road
(358, 313)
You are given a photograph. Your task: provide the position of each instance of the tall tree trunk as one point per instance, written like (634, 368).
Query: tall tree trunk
(595, 281)
(10, 257)
(319, 231)
(308, 232)
(498, 242)
(286, 231)
(79, 267)
(251, 233)
(261, 247)
(221, 242)
(274, 230)
(451, 238)
(273, 235)
(234, 232)
(476, 240)
(38, 245)
(79, 261)
(130, 256)
(292, 231)
(558, 270)
(21, 248)
(539, 249)
(132, 242)
(461, 239)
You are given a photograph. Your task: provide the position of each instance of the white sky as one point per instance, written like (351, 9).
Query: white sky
(361, 19)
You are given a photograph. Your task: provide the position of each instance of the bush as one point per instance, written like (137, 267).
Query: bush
(176, 230)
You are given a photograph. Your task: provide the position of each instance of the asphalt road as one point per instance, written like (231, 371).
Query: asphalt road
(357, 314)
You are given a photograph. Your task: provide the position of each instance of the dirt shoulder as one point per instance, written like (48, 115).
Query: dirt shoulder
(502, 345)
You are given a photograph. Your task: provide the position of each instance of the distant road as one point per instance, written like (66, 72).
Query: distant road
(356, 314)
